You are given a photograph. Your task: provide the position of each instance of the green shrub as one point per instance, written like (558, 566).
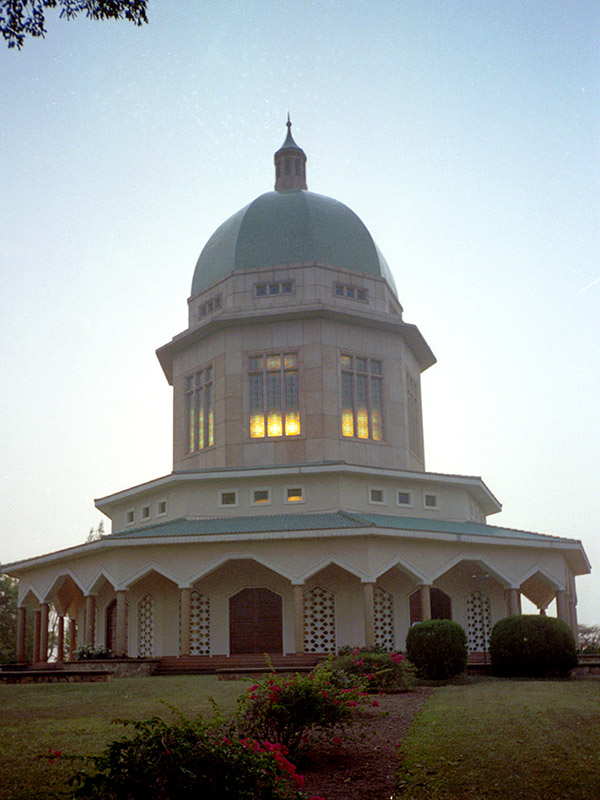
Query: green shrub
(187, 760)
(87, 653)
(297, 711)
(532, 646)
(376, 671)
(437, 648)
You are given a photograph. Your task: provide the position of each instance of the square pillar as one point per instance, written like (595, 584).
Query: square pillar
(184, 647)
(90, 620)
(562, 607)
(21, 634)
(44, 632)
(369, 607)
(425, 603)
(37, 630)
(121, 637)
(513, 601)
(298, 618)
(72, 638)
(60, 651)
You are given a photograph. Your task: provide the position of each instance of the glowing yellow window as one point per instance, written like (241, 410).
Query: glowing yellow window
(274, 408)
(294, 495)
(362, 404)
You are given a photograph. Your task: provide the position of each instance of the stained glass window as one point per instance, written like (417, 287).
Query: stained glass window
(199, 405)
(274, 396)
(362, 397)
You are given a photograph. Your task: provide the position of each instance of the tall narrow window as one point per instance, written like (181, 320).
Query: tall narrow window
(199, 410)
(274, 407)
(415, 439)
(362, 397)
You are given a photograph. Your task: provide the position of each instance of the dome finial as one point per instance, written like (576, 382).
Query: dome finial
(290, 164)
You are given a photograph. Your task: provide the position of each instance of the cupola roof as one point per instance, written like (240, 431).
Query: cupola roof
(290, 226)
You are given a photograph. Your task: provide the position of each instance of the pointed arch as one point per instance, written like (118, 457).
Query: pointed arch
(404, 566)
(334, 561)
(95, 584)
(483, 562)
(539, 571)
(57, 581)
(146, 570)
(237, 556)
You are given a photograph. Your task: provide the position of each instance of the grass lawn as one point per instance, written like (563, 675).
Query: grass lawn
(500, 739)
(76, 718)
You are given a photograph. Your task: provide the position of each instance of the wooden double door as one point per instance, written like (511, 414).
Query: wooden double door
(255, 622)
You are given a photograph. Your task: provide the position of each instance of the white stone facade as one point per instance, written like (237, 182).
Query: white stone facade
(299, 480)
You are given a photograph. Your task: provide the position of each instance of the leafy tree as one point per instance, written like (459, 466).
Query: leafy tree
(588, 639)
(96, 533)
(21, 18)
(8, 619)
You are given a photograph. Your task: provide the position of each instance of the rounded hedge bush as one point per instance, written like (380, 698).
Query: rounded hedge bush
(437, 648)
(532, 646)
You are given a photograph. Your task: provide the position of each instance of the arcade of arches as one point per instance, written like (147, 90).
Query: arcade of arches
(145, 622)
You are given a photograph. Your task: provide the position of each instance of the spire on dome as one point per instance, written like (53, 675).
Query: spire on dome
(290, 164)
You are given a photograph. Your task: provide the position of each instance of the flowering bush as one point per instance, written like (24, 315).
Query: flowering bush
(186, 760)
(374, 670)
(299, 710)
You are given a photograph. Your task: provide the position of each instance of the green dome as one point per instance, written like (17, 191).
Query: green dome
(290, 227)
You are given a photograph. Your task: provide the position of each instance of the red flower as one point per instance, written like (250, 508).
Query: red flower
(374, 703)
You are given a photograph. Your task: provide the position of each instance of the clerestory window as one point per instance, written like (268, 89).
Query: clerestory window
(362, 397)
(274, 404)
(199, 410)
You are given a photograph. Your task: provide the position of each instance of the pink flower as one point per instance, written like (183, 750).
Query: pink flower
(351, 703)
(374, 703)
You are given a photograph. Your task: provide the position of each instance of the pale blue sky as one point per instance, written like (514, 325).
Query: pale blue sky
(464, 134)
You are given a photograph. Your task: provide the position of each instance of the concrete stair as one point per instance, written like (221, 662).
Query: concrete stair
(242, 664)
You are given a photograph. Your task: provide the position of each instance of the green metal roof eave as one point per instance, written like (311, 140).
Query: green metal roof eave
(243, 524)
(329, 520)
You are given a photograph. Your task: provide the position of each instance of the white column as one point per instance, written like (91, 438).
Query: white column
(298, 618)
(369, 606)
(186, 596)
(425, 603)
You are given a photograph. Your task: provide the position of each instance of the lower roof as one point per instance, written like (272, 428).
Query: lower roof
(326, 520)
(310, 525)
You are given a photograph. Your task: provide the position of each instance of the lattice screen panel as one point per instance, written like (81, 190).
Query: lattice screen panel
(479, 622)
(319, 621)
(199, 625)
(146, 627)
(384, 618)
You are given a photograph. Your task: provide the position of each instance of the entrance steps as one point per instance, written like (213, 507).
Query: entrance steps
(242, 664)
